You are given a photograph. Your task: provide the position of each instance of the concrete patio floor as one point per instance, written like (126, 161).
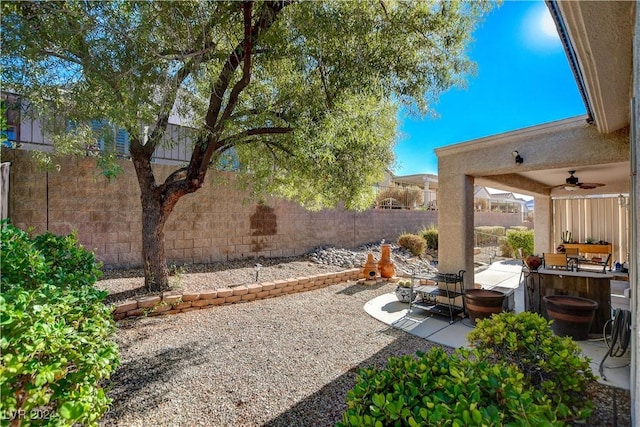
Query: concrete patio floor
(502, 276)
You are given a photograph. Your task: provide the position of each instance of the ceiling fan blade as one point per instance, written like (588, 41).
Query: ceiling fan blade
(589, 185)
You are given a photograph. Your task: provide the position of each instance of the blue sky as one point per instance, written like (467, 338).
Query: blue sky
(523, 79)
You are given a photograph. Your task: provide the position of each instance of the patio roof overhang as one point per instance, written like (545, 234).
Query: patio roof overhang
(598, 39)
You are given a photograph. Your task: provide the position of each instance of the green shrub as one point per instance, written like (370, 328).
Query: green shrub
(552, 364)
(439, 389)
(56, 333)
(413, 243)
(430, 235)
(519, 227)
(520, 239)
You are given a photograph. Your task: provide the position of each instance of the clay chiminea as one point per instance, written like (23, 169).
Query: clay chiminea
(385, 265)
(370, 269)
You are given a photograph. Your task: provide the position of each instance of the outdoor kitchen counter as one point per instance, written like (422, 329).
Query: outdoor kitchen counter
(585, 284)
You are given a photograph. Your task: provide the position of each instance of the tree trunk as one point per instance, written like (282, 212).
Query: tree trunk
(156, 274)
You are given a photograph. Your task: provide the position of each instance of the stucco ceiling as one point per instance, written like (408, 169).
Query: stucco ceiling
(615, 176)
(601, 34)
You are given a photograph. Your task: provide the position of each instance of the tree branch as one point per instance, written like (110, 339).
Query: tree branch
(61, 56)
(229, 141)
(254, 112)
(202, 153)
(178, 55)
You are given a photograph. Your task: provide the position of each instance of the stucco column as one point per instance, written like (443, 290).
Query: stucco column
(455, 226)
(425, 193)
(543, 225)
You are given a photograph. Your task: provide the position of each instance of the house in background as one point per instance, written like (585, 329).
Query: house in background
(420, 191)
(29, 130)
(506, 202)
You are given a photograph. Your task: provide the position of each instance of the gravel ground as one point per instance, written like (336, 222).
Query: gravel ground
(286, 361)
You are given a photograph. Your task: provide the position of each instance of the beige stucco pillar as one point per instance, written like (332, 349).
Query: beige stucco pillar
(635, 227)
(543, 220)
(455, 225)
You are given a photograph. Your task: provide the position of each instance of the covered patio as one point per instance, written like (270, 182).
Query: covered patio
(602, 42)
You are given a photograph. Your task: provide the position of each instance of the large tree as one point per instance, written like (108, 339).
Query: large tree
(305, 94)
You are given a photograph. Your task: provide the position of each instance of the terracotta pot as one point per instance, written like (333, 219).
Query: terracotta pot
(385, 265)
(572, 316)
(482, 303)
(370, 269)
(533, 262)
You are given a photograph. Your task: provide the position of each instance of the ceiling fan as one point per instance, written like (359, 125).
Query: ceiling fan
(572, 183)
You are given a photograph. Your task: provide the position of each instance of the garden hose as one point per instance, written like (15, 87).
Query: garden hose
(620, 336)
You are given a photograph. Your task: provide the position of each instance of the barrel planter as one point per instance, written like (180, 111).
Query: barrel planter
(572, 316)
(482, 303)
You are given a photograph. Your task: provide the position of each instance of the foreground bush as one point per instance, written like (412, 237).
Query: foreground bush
(413, 243)
(56, 333)
(430, 235)
(438, 389)
(554, 365)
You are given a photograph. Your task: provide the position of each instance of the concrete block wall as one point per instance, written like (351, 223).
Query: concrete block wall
(216, 223)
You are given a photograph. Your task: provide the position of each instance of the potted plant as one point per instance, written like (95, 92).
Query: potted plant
(403, 291)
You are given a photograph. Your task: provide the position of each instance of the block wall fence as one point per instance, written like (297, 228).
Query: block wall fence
(216, 223)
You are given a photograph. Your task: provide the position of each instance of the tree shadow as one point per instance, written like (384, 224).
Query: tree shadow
(142, 374)
(125, 295)
(358, 287)
(325, 407)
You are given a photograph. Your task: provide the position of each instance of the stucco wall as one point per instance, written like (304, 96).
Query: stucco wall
(214, 224)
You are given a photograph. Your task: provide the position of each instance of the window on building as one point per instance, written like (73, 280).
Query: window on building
(10, 105)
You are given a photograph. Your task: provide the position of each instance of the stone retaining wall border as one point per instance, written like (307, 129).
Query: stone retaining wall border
(173, 302)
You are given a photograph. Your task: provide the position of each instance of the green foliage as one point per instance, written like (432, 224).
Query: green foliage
(56, 333)
(430, 235)
(554, 365)
(439, 389)
(413, 243)
(316, 120)
(519, 227)
(3, 122)
(520, 239)
(108, 163)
